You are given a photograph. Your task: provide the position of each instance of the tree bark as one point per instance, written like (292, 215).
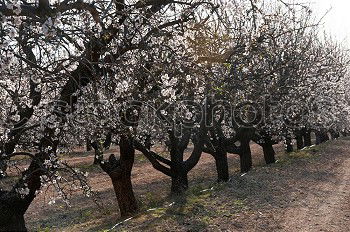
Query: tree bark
(321, 137)
(11, 213)
(269, 153)
(179, 182)
(334, 134)
(289, 145)
(299, 139)
(245, 156)
(125, 196)
(244, 136)
(12, 205)
(307, 138)
(88, 145)
(222, 166)
(119, 170)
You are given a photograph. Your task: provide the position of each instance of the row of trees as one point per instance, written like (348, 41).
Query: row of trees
(212, 76)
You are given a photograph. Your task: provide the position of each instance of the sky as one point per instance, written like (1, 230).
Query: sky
(337, 21)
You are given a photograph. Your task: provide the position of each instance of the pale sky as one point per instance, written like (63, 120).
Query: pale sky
(337, 21)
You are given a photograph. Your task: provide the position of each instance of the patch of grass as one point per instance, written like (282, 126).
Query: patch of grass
(151, 200)
(43, 229)
(140, 158)
(86, 215)
(239, 203)
(306, 153)
(300, 154)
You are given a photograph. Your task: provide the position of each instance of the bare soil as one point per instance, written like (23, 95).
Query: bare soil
(304, 191)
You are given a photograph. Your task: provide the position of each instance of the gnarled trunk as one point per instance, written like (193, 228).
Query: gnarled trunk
(88, 145)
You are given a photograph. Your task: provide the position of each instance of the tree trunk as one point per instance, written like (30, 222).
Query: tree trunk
(222, 166)
(125, 196)
(318, 138)
(321, 137)
(179, 182)
(123, 186)
(245, 156)
(244, 136)
(307, 138)
(12, 213)
(289, 145)
(120, 174)
(88, 145)
(299, 139)
(12, 205)
(334, 134)
(269, 153)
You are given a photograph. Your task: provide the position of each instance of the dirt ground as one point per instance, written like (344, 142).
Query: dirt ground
(304, 191)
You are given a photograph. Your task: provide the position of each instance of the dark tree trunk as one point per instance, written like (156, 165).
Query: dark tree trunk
(307, 138)
(179, 179)
(11, 213)
(222, 166)
(318, 138)
(289, 145)
(300, 142)
(122, 185)
(88, 145)
(334, 134)
(321, 137)
(12, 205)
(325, 137)
(245, 156)
(244, 136)
(125, 196)
(179, 182)
(120, 174)
(269, 153)
(299, 139)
